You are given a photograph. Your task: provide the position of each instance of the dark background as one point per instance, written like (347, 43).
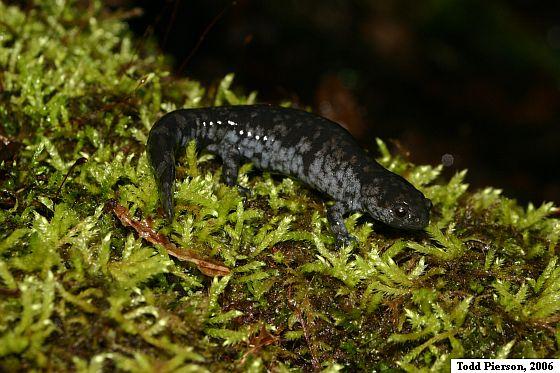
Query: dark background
(478, 80)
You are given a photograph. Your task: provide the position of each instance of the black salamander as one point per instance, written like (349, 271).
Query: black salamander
(293, 142)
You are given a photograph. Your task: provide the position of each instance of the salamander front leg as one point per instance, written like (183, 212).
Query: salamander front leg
(335, 217)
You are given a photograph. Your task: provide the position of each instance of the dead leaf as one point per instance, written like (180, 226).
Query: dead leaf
(144, 230)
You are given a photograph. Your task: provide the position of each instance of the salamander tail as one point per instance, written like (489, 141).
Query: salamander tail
(161, 153)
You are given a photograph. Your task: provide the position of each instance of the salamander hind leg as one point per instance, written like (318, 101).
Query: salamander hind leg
(232, 161)
(335, 217)
(230, 170)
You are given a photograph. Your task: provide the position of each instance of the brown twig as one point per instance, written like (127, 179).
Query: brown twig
(206, 266)
(314, 360)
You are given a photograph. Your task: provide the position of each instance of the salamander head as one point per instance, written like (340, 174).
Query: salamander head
(394, 201)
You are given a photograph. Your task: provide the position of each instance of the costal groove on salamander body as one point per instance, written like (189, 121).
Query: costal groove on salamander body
(308, 147)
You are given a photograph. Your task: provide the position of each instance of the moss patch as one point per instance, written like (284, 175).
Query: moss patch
(81, 291)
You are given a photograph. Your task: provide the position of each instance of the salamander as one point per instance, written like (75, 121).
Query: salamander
(308, 147)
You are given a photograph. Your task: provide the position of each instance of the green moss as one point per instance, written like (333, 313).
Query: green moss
(81, 291)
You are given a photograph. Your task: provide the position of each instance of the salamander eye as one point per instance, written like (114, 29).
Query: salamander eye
(400, 211)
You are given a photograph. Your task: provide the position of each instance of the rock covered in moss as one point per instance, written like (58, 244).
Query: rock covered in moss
(82, 291)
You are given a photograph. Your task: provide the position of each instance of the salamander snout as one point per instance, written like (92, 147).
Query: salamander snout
(406, 215)
(428, 204)
(398, 204)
